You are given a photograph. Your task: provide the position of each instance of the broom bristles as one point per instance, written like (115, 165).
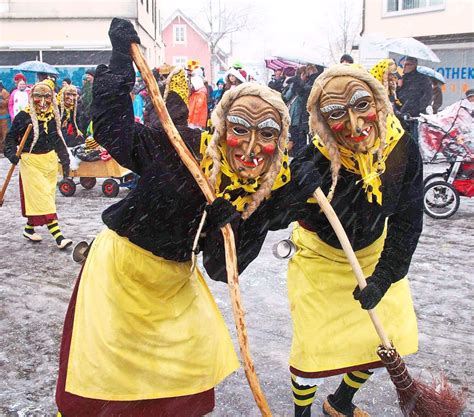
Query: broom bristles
(417, 399)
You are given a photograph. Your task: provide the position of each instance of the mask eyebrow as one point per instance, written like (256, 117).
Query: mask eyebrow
(238, 120)
(331, 107)
(269, 123)
(357, 95)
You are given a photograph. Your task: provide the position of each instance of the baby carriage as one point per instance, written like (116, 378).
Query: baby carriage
(448, 137)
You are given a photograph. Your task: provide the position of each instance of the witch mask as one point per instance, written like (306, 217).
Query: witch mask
(348, 106)
(70, 96)
(42, 98)
(253, 128)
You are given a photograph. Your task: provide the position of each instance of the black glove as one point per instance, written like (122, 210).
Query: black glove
(371, 295)
(221, 212)
(122, 34)
(14, 159)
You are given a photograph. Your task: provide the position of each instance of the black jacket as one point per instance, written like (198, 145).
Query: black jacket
(162, 214)
(416, 93)
(46, 141)
(277, 84)
(364, 222)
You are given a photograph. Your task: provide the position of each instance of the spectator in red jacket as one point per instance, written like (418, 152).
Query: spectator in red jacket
(198, 101)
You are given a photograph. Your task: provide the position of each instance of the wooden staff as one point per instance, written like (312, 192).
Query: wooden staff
(12, 168)
(229, 242)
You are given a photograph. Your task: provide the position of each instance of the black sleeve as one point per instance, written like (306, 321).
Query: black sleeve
(288, 204)
(63, 154)
(405, 225)
(16, 132)
(284, 206)
(131, 144)
(214, 252)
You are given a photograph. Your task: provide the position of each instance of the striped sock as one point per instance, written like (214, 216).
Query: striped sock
(29, 229)
(55, 231)
(350, 384)
(303, 397)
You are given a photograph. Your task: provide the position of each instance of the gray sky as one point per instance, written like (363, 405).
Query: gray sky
(281, 28)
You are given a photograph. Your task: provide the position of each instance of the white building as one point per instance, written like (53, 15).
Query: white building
(446, 26)
(73, 33)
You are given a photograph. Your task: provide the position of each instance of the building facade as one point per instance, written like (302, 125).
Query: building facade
(446, 26)
(185, 40)
(72, 35)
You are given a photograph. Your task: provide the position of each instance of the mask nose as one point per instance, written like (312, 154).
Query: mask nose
(356, 130)
(250, 148)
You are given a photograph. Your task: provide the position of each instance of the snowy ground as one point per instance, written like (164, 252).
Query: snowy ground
(36, 283)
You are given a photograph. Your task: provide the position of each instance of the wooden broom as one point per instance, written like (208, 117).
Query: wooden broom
(230, 253)
(416, 399)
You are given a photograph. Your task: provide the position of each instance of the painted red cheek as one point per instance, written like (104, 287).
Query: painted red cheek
(371, 117)
(232, 141)
(338, 127)
(269, 149)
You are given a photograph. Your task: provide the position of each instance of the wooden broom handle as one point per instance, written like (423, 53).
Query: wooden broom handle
(229, 242)
(12, 168)
(351, 256)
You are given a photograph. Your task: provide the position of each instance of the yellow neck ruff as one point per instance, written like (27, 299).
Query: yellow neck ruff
(43, 117)
(366, 164)
(250, 186)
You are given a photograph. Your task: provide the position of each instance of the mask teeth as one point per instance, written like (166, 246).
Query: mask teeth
(255, 161)
(242, 158)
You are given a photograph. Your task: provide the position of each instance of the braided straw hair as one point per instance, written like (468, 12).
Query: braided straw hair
(319, 125)
(62, 108)
(34, 117)
(218, 118)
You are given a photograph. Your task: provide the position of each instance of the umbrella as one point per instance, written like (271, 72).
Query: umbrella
(37, 66)
(430, 72)
(275, 63)
(410, 47)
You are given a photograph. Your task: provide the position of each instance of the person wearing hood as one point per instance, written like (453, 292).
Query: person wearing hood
(198, 101)
(234, 77)
(19, 99)
(217, 93)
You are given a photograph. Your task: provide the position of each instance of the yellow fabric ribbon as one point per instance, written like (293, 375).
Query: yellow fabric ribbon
(366, 164)
(379, 69)
(179, 85)
(250, 186)
(43, 117)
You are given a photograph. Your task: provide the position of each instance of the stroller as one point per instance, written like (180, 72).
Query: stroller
(448, 137)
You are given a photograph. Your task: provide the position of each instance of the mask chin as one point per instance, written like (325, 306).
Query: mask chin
(361, 143)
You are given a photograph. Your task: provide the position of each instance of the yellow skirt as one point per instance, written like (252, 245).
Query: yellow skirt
(144, 327)
(39, 175)
(330, 329)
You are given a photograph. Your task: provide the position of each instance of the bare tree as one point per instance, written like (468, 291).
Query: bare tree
(345, 29)
(222, 22)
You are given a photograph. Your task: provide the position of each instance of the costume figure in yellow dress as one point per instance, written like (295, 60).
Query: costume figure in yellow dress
(372, 173)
